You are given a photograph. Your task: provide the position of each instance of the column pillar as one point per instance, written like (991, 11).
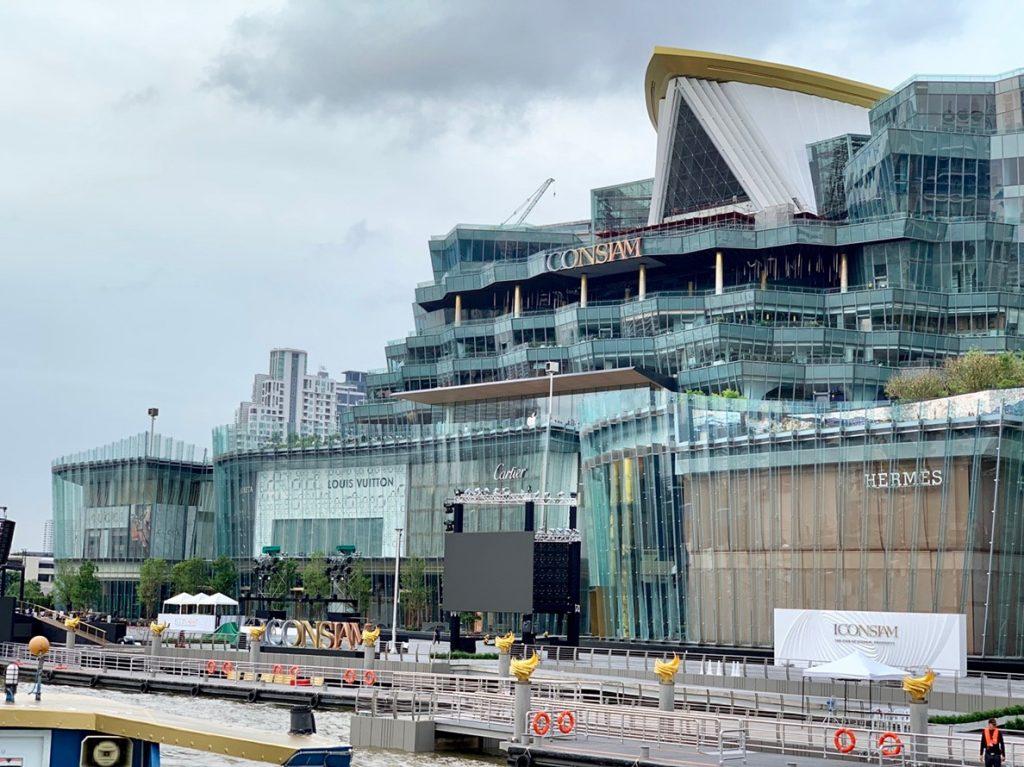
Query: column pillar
(369, 654)
(254, 650)
(458, 309)
(521, 711)
(667, 696)
(844, 275)
(583, 290)
(641, 292)
(517, 302)
(504, 663)
(69, 638)
(155, 644)
(764, 279)
(919, 726)
(719, 273)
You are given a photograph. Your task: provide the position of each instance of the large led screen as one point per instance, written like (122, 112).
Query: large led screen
(488, 572)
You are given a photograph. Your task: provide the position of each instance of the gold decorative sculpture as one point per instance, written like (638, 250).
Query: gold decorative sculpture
(918, 687)
(38, 646)
(256, 632)
(72, 622)
(370, 637)
(158, 628)
(504, 643)
(522, 669)
(667, 670)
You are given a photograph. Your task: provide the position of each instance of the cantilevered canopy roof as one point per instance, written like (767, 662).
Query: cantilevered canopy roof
(667, 63)
(526, 388)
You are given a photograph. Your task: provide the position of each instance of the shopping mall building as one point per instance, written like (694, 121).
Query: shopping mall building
(804, 238)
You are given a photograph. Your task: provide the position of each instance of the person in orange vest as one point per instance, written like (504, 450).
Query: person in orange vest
(993, 750)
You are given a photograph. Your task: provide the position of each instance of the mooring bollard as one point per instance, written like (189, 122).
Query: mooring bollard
(371, 634)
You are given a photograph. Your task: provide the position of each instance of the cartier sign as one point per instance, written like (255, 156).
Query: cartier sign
(601, 253)
(886, 479)
(501, 472)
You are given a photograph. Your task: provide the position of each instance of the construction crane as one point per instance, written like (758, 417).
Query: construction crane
(528, 204)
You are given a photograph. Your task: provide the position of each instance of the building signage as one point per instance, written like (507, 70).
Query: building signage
(355, 493)
(503, 472)
(601, 253)
(886, 479)
(326, 635)
(910, 641)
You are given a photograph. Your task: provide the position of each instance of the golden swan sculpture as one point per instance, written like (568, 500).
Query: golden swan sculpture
(667, 670)
(504, 643)
(370, 637)
(158, 628)
(918, 687)
(522, 669)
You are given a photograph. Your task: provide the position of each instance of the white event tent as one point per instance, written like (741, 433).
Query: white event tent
(856, 667)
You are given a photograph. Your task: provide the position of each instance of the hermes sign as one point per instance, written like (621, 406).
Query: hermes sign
(886, 479)
(602, 253)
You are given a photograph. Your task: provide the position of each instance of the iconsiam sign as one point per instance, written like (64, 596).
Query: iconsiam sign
(323, 635)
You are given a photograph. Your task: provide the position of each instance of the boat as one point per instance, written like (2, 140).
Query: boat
(65, 730)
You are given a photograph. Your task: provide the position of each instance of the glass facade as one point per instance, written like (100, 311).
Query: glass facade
(712, 513)
(124, 503)
(620, 207)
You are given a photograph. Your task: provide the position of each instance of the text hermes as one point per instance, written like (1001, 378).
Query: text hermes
(923, 478)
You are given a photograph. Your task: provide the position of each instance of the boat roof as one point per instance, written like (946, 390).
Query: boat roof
(61, 711)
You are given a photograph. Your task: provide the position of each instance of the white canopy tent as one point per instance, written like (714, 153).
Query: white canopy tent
(222, 600)
(855, 667)
(180, 601)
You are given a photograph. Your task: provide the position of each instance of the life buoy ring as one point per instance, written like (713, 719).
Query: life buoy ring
(369, 678)
(889, 744)
(211, 667)
(524, 760)
(227, 667)
(349, 677)
(542, 723)
(566, 722)
(293, 672)
(252, 696)
(845, 741)
(278, 669)
(314, 700)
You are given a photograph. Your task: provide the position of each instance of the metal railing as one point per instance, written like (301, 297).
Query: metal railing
(57, 619)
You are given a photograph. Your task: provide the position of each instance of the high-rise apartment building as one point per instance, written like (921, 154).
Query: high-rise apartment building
(287, 401)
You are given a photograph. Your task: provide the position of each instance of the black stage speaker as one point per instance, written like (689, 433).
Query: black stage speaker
(556, 576)
(6, 538)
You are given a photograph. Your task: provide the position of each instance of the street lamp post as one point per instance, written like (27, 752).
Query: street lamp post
(153, 413)
(552, 369)
(394, 601)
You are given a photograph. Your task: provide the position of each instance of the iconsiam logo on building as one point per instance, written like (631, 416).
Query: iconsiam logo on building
(897, 479)
(601, 253)
(326, 635)
(868, 631)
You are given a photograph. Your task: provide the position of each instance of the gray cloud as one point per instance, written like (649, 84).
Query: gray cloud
(138, 98)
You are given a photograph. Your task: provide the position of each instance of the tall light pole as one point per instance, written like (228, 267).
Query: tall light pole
(153, 413)
(551, 368)
(394, 601)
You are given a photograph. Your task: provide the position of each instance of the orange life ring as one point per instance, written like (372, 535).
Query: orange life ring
(844, 740)
(542, 723)
(566, 722)
(369, 678)
(889, 738)
(293, 672)
(349, 676)
(227, 667)
(278, 669)
(211, 667)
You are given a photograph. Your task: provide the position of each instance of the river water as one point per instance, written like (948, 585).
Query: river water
(263, 716)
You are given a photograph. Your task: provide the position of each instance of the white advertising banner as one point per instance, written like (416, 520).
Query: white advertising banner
(365, 492)
(912, 641)
(191, 622)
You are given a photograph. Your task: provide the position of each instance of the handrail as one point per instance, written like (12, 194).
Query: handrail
(45, 612)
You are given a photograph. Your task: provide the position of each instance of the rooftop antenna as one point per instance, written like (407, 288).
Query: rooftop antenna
(528, 205)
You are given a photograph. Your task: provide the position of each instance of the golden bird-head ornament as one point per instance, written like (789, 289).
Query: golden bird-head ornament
(256, 632)
(504, 643)
(370, 637)
(157, 628)
(72, 622)
(522, 669)
(666, 670)
(918, 687)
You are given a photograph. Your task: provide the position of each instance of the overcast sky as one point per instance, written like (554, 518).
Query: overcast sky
(185, 185)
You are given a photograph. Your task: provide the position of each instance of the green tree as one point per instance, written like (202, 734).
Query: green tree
(154, 574)
(315, 581)
(224, 577)
(65, 578)
(359, 587)
(33, 591)
(190, 575)
(283, 581)
(916, 385)
(977, 371)
(87, 591)
(413, 585)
